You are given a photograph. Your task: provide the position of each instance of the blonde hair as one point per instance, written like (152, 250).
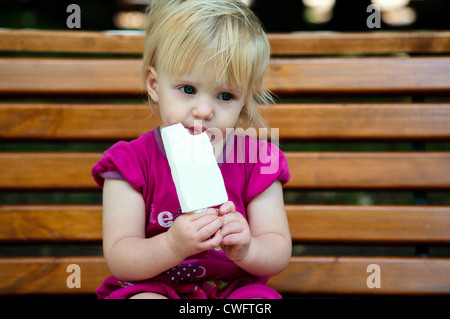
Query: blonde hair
(180, 32)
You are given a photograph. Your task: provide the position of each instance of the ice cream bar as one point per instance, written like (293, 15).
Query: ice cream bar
(195, 172)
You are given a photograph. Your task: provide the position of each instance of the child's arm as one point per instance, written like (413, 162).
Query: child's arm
(132, 257)
(262, 246)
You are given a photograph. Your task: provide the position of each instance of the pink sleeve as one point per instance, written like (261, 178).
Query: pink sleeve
(125, 159)
(269, 165)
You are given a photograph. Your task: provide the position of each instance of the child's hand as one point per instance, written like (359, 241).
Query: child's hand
(236, 235)
(193, 233)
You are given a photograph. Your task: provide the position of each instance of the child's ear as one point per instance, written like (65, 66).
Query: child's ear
(152, 83)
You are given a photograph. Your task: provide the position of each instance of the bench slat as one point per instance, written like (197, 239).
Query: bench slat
(34, 171)
(309, 170)
(50, 223)
(369, 224)
(365, 170)
(286, 43)
(295, 121)
(368, 121)
(308, 224)
(319, 275)
(75, 121)
(71, 76)
(360, 76)
(348, 275)
(48, 275)
(295, 76)
(359, 42)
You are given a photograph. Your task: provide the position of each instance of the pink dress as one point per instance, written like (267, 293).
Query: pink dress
(248, 167)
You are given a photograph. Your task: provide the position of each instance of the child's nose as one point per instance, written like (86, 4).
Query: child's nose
(204, 109)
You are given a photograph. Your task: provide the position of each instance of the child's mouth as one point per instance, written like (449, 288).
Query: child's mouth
(196, 130)
(200, 130)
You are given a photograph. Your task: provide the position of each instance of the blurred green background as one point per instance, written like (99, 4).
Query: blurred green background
(277, 16)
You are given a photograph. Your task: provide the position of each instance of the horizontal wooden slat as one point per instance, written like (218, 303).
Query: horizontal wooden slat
(285, 76)
(71, 41)
(308, 224)
(75, 121)
(369, 224)
(359, 75)
(359, 42)
(48, 275)
(316, 275)
(365, 170)
(293, 121)
(50, 223)
(368, 121)
(287, 43)
(348, 275)
(309, 170)
(47, 170)
(71, 76)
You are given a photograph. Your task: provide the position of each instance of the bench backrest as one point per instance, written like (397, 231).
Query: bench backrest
(66, 96)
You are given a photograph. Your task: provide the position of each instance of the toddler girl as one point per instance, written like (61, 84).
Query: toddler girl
(204, 64)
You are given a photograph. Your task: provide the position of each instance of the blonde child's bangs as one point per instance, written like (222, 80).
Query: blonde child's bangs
(182, 36)
(218, 43)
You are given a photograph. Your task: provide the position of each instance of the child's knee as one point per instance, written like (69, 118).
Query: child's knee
(147, 295)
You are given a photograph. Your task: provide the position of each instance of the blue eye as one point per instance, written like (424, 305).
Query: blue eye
(225, 96)
(187, 89)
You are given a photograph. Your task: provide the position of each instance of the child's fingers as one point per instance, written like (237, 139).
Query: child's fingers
(209, 227)
(229, 240)
(232, 217)
(207, 212)
(226, 208)
(214, 241)
(232, 225)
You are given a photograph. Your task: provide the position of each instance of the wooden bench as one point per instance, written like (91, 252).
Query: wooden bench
(66, 96)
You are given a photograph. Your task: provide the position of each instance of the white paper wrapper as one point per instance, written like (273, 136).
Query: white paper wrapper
(195, 172)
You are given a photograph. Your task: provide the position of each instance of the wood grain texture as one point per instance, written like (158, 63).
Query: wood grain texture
(359, 76)
(51, 121)
(50, 223)
(285, 76)
(348, 275)
(308, 224)
(71, 76)
(366, 170)
(317, 43)
(75, 121)
(335, 121)
(70, 41)
(48, 275)
(305, 274)
(355, 224)
(309, 170)
(47, 170)
(280, 43)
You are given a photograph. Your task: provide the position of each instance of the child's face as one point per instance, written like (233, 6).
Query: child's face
(197, 102)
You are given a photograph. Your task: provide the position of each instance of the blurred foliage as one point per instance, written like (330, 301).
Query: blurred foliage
(276, 16)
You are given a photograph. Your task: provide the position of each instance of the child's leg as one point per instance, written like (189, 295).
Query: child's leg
(254, 291)
(148, 295)
(142, 290)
